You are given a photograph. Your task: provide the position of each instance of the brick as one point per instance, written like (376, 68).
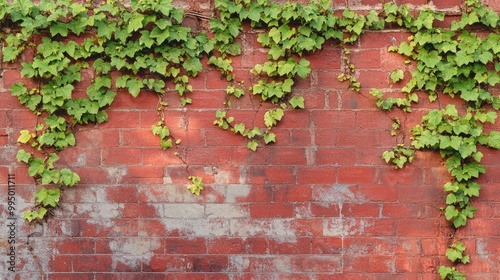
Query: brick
(355, 137)
(249, 193)
(271, 210)
(419, 194)
(76, 156)
(270, 175)
(207, 156)
(364, 246)
(75, 246)
(268, 264)
(207, 263)
(379, 227)
(204, 99)
(299, 227)
(12, 76)
(61, 263)
(297, 193)
(256, 245)
(400, 211)
(407, 176)
(317, 264)
(250, 227)
(360, 210)
(145, 100)
(326, 245)
(316, 175)
(333, 156)
(114, 156)
(97, 263)
(226, 245)
(121, 119)
(138, 210)
(369, 264)
(447, 4)
(324, 119)
(288, 156)
(325, 209)
(138, 174)
(413, 227)
(357, 175)
(63, 276)
(300, 245)
(325, 59)
(185, 246)
(96, 137)
(366, 59)
(156, 156)
(219, 138)
(328, 79)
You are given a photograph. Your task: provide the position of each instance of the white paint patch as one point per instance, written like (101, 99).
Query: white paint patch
(233, 192)
(132, 251)
(116, 173)
(227, 211)
(338, 193)
(223, 177)
(333, 227)
(251, 227)
(283, 231)
(483, 253)
(197, 227)
(183, 210)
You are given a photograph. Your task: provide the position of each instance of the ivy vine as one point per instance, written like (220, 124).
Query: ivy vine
(143, 47)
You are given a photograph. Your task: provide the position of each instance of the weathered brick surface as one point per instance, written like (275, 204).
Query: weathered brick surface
(319, 204)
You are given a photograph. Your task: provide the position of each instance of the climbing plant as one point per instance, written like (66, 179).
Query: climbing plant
(143, 47)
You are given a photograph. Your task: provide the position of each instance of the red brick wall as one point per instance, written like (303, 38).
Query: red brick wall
(318, 204)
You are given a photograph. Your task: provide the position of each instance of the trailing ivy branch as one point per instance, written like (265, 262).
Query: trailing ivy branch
(290, 32)
(459, 63)
(144, 47)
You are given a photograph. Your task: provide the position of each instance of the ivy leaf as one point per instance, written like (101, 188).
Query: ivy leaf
(25, 136)
(135, 22)
(397, 76)
(252, 145)
(297, 102)
(287, 85)
(463, 58)
(239, 128)
(134, 86)
(69, 178)
(485, 57)
(303, 68)
(10, 53)
(166, 144)
(255, 12)
(193, 66)
(388, 156)
(101, 67)
(431, 59)
(59, 28)
(494, 140)
(50, 176)
(36, 166)
(450, 212)
(23, 156)
(269, 138)
(453, 254)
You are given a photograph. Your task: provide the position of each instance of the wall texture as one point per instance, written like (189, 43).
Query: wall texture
(318, 204)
